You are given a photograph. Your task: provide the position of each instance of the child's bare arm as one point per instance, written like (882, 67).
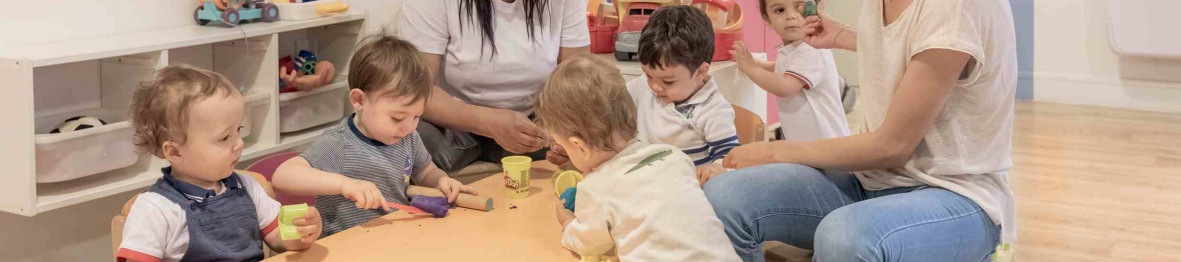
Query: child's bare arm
(762, 73)
(297, 176)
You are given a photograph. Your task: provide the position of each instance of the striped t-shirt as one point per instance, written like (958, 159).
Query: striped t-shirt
(702, 126)
(342, 149)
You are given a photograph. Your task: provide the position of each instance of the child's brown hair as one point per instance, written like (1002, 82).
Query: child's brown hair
(384, 61)
(160, 106)
(586, 97)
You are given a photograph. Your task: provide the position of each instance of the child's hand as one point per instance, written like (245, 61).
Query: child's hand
(704, 173)
(309, 226)
(741, 55)
(564, 215)
(822, 31)
(452, 188)
(363, 192)
(748, 155)
(557, 155)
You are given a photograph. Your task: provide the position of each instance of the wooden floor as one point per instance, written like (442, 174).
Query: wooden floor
(1096, 184)
(1092, 184)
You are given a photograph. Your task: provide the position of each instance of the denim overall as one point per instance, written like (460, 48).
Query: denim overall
(222, 227)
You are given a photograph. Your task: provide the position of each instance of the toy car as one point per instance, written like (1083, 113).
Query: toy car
(230, 12)
(633, 15)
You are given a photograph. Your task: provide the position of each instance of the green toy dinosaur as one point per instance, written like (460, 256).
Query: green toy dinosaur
(810, 9)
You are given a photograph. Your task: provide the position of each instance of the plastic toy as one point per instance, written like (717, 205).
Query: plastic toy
(230, 12)
(810, 9)
(516, 175)
(78, 123)
(602, 22)
(304, 72)
(463, 200)
(633, 15)
(564, 179)
(334, 7)
(287, 214)
(727, 22)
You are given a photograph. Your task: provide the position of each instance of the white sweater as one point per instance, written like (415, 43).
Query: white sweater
(646, 210)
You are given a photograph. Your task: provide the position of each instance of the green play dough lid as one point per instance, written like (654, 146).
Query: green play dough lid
(810, 9)
(565, 179)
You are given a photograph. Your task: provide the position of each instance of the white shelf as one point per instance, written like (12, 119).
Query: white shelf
(56, 195)
(139, 42)
(30, 68)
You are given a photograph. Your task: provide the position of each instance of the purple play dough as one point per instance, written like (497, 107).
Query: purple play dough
(437, 206)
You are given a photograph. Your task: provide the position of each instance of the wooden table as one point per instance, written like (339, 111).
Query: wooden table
(529, 232)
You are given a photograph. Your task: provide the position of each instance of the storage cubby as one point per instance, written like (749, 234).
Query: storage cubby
(49, 83)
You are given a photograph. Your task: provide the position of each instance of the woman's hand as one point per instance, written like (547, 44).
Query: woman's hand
(753, 154)
(826, 33)
(515, 132)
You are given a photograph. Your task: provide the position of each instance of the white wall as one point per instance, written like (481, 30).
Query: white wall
(82, 232)
(1075, 64)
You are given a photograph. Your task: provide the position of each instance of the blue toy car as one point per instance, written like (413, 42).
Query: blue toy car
(230, 12)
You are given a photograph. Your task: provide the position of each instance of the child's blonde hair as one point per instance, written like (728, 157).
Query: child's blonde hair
(387, 65)
(586, 97)
(160, 107)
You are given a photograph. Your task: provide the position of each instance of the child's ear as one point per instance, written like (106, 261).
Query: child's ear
(579, 146)
(702, 71)
(171, 151)
(357, 98)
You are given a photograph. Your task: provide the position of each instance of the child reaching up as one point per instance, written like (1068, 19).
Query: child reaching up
(803, 79)
(372, 156)
(638, 199)
(200, 210)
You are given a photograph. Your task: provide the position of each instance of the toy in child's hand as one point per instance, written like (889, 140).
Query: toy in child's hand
(287, 214)
(78, 123)
(304, 72)
(810, 8)
(568, 195)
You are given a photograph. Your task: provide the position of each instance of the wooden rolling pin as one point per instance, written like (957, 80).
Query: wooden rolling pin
(464, 200)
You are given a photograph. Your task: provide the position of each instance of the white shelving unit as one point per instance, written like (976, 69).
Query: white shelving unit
(48, 80)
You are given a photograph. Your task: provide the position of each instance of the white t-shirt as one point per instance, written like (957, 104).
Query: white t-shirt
(646, 210)
(817, 113)
(968, 148)
(157, 228)
(702, 126)
(520, 66)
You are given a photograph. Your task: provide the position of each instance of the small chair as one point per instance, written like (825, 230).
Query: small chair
(749, 126)
(267, 166)
(118, 220)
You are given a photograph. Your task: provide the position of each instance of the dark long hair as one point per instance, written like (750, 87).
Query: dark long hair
(483, 10)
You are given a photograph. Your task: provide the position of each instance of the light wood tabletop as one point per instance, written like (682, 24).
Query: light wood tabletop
(528, 232)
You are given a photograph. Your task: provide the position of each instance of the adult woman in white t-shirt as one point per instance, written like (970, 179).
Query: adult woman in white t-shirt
(490, 57)
(932, 158)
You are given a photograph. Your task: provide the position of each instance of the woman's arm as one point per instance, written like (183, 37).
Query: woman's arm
(929, 76)
(568, 52)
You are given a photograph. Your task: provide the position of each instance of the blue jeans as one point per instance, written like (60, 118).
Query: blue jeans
(831, 214)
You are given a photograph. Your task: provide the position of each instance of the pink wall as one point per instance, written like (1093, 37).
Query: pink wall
(760, 39)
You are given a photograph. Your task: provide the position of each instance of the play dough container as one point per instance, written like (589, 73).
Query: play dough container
(516, 175)
(287, 214)
(564, 179)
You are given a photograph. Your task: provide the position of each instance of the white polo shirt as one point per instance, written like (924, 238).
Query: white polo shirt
(817, 113)
(702, 126)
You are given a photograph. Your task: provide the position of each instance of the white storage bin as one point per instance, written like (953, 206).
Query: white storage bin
(305, 109)
(253, 103)
(77, 154)
(298, 11)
